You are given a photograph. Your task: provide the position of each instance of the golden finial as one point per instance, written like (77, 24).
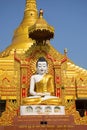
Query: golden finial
(65, 51)
(41, 13)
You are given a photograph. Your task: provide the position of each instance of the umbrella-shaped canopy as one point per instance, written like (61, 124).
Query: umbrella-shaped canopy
(41, 30)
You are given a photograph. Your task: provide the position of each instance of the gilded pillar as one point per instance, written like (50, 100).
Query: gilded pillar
(24, 81)
(57, 77)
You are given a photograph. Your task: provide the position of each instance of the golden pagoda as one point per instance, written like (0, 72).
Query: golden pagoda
(31, 40)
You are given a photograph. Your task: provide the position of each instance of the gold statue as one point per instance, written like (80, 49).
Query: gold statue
(41, 85)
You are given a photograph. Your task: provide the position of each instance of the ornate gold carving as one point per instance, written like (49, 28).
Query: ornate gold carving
(11, 111)
(71, 110)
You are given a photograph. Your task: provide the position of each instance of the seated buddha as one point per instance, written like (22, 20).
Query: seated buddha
(41, 86)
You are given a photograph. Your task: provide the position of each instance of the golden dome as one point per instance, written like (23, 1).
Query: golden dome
(21, 40)
(30, 17)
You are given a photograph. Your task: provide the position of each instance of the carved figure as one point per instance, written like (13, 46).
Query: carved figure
(42, 85)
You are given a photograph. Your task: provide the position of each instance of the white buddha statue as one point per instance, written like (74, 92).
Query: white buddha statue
(42, 85)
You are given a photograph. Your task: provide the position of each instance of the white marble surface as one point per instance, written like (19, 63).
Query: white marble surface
(42, 110)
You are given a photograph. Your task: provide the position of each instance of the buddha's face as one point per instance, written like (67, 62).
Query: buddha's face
(42, 67)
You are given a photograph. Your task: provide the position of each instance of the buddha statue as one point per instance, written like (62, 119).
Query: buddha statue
(41, 86)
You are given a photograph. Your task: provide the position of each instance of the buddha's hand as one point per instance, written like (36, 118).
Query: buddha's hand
(41, 94)
(46, 94)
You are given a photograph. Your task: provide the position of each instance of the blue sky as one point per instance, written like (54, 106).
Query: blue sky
(69, 18)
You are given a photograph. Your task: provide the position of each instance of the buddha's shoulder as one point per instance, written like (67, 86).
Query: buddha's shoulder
(49, 75)
(35, 76)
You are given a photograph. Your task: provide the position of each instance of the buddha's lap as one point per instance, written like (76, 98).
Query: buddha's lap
(33, 100)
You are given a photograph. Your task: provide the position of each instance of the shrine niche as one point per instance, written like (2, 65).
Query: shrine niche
(18, 63)
(41, 49)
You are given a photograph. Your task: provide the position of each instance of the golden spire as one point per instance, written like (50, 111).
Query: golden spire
(30, 16)
(30, 12)
(21, 38)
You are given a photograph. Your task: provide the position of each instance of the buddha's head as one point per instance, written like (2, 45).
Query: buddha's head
(42, 66)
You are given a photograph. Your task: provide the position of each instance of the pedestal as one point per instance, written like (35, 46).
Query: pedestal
(44, 122)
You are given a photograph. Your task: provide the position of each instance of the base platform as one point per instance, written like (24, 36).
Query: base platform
(44, 122)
